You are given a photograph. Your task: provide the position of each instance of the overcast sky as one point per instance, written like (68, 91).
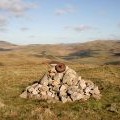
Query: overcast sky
(59, 21)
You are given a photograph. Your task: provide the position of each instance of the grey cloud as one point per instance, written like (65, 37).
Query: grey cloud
(32, 36)
(79, 28)
(3, 21)
(64, 11)
(118, 25)
(16, 7)
(114, 36)
(24, 29)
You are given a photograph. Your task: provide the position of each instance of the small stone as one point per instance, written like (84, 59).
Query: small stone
(38, 86)
(52, 72)
(56, 88)
(44, 88)
(82, 84)
(79, 78)
(43, 93)
(89, 84)
(113, 108)
(58, 77)
(95, 91)
(55, 83)
(30, 89)
(72, 89)
(87, 91)
(63, 90)
(85, 97)
(24, 94)
(76, 96)
(33, 90)
(49, 94)
(63, 99)
(44, 80)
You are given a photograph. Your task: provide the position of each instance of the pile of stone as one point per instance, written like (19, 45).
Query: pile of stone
(62, 83)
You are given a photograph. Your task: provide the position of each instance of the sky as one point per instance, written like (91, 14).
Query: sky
(59, 21)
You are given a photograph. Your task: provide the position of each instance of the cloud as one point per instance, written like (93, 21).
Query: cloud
(16, 7)
(3, 21)
(32, 36)
(13, 8)
(66, 10)
(118, 25)
(62, 37)
(79, 28)
(24, 29)
(114, 36)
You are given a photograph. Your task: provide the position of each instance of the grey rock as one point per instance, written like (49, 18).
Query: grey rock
(95, 91)
(24, 94)
(58, 76)
(44, 80)
(72, 89)
(63, 99)
(113, 108)
(82, 84)
(44, 88)
(63, 90)
(70, 77)
(30, 89)
(76, 96)
(90, 84)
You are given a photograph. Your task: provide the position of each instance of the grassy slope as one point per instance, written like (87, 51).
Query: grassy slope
(19, 70)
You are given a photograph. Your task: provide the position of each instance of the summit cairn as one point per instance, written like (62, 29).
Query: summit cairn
(62, 83)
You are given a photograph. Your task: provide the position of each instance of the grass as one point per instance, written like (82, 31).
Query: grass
(14, 77)
(20, 68)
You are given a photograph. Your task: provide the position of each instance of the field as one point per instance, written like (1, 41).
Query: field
(25, 65)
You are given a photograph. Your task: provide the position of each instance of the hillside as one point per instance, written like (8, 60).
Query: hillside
(94, 52)
(6, 46)
(22, 66)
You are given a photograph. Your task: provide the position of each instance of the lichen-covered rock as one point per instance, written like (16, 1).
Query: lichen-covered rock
(62, 83)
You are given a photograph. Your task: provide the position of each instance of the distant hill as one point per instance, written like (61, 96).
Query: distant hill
(95, 52)
(6, 46)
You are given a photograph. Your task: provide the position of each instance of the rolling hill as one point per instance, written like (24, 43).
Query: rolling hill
(95, 52)
(20, 66)
(6, 46)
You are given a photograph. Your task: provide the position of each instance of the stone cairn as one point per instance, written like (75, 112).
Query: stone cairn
(62, 83)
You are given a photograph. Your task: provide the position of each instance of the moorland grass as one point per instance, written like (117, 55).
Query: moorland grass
(15, 77)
